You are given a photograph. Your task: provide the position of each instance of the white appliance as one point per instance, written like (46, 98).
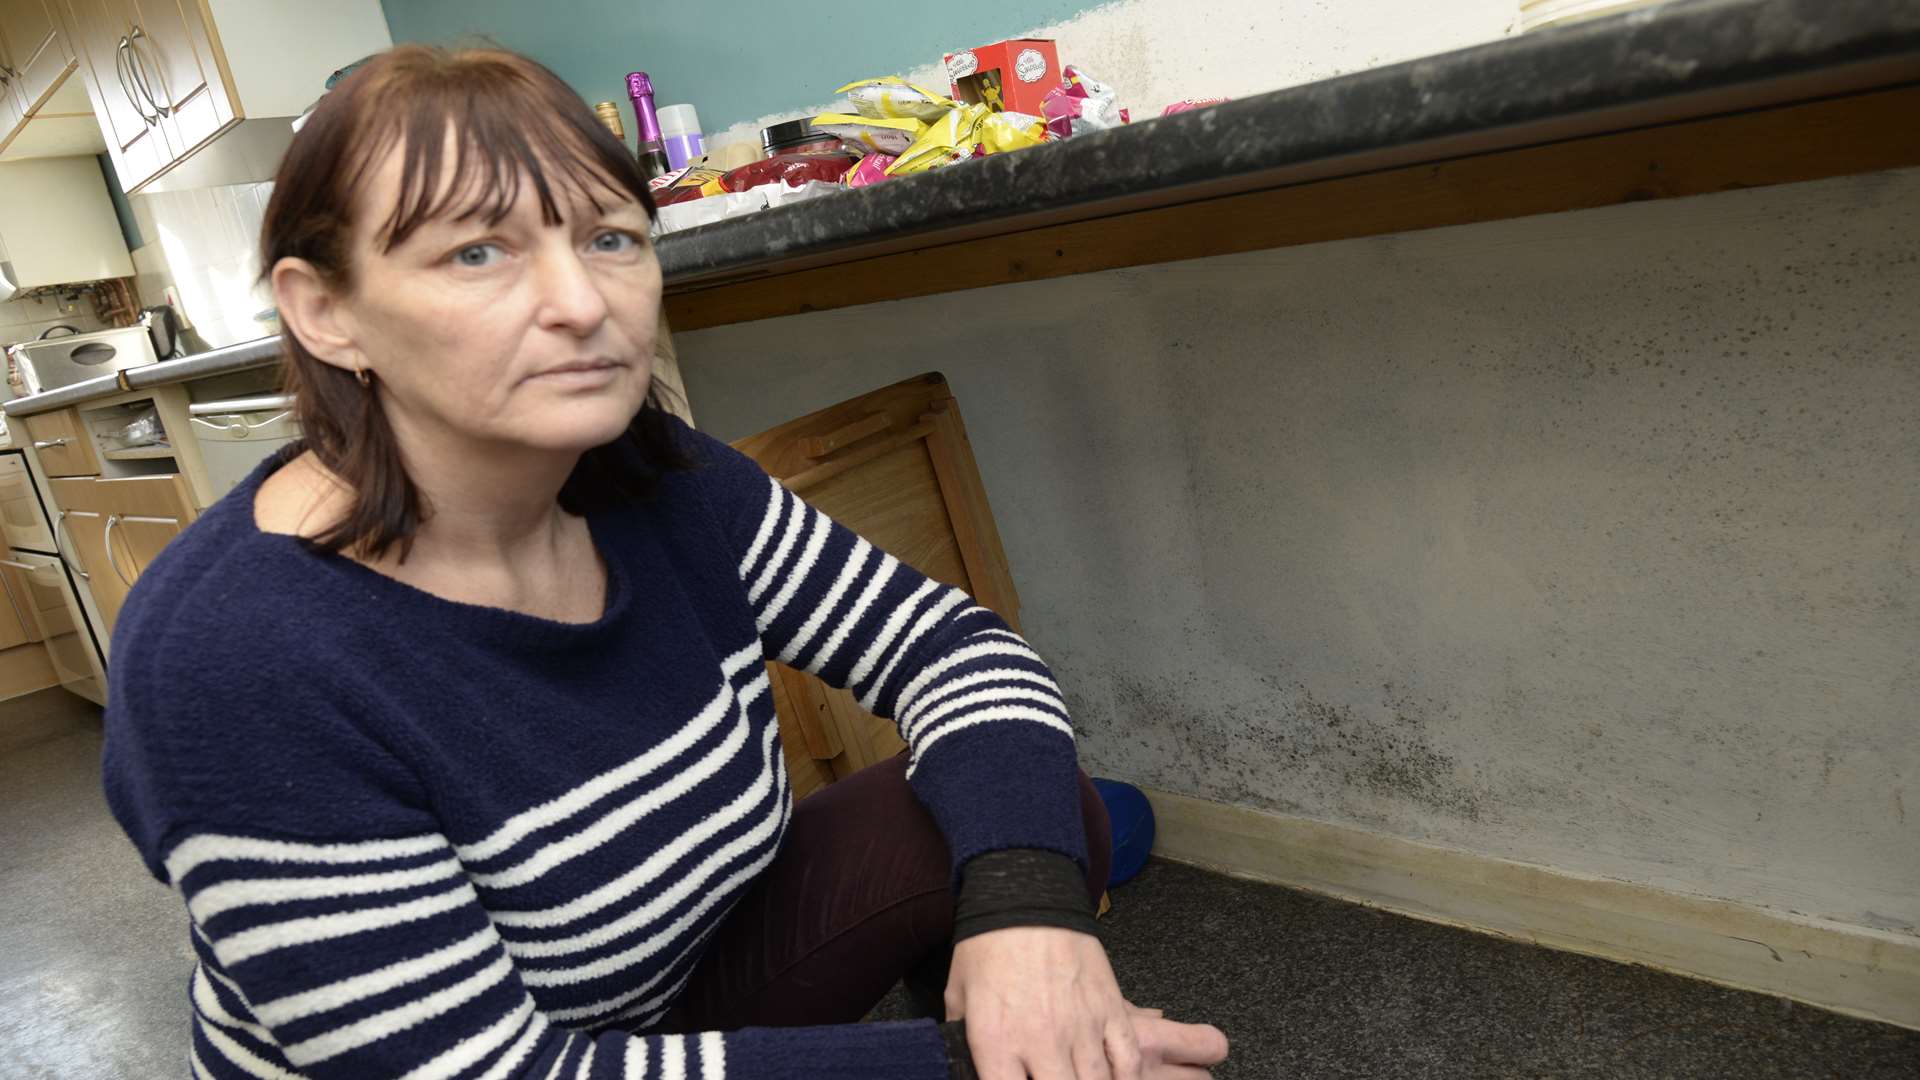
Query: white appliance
(48, 601)
(54, 362)
(236, 435)
(21, 518)
(38, 583)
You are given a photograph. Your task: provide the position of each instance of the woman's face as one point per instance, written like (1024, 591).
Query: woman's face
(512, 333)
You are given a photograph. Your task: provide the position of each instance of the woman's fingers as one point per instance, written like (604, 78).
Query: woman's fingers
(1121, 1051)
(1142, 1011)
(1180, 1044)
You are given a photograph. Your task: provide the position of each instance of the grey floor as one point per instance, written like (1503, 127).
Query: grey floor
(93, 966)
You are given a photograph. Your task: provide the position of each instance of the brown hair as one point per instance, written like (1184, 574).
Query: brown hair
(513, 122)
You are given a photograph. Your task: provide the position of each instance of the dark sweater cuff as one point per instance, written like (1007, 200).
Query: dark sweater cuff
(1021, 887)
(959, 1056)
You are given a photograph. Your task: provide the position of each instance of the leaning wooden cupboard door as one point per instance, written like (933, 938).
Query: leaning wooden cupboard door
(894, 466)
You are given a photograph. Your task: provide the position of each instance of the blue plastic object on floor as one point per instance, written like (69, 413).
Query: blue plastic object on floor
(1132, 818)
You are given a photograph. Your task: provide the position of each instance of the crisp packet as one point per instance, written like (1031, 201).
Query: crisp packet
(870, 170)
(1084, 104)
(947, 140)
(692, 182)
(1190, 104)
(892, 98)
(1003, 131)
(869, 134)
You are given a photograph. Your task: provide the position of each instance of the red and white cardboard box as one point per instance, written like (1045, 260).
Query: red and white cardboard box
(1012, 76)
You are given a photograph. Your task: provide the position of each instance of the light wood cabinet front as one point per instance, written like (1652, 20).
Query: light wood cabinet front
(61, 443)
(135, 138)
(36, 49)
(177, 72)
(894, 466)
(113, 529)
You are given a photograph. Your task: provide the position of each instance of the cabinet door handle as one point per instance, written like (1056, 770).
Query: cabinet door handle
(48, 444)
(112, 520)
(121, 67)
(59, 532)
(139, 67)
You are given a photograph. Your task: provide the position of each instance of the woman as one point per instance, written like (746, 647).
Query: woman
(493, 788)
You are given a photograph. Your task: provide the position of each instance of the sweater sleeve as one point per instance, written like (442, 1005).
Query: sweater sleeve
(357, 958)
(991, 750)
(337, 932)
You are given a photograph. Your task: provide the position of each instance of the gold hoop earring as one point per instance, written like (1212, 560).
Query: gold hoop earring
(360, 376)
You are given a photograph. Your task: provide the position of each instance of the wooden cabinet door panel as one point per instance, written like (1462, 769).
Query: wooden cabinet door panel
(145, 513)
(36, 49)
(81, 527)
(175, 58)
(895, 467)
(61, 444)
(101, 39)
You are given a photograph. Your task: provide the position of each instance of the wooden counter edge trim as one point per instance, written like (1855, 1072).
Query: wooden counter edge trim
(1848, 969)
(1857, 133)
(1859, 76)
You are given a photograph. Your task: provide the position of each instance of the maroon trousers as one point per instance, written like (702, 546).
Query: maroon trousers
(858, 898)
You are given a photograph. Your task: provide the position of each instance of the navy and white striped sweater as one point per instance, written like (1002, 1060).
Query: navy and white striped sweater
(430, 839)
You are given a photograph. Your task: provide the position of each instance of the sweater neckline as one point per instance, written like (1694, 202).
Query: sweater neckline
(504, 624)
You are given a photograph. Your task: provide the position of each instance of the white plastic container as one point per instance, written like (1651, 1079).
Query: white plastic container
(681, 135)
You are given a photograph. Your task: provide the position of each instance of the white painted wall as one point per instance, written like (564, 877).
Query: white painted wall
(1156, 52)
(1586, 540)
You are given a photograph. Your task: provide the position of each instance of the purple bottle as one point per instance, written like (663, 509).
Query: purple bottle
(651, 152)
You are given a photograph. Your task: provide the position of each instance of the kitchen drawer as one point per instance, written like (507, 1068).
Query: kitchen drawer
(62, 444)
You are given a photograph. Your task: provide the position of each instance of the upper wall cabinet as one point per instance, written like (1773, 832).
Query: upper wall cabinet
(193, 93)
(35, 51)
(36, 55)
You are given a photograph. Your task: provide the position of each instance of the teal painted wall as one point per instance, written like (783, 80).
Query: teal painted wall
(734, 62)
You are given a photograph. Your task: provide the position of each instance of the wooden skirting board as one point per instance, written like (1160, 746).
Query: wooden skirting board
(1848, 969)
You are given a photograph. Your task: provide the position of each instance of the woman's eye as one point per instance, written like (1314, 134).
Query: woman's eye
(478, 255)
(614, 242)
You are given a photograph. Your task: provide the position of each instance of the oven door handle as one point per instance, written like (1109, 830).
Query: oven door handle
(60, 531)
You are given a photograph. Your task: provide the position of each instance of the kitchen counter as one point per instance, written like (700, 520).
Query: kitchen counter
(1681, 99)
(261, 352)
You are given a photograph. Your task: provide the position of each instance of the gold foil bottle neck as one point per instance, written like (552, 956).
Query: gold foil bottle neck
(609, 114)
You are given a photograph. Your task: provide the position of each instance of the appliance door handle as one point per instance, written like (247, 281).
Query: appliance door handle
(112, 520)
(29, 625)
(18, 565)
(60, 531)
(139, 67)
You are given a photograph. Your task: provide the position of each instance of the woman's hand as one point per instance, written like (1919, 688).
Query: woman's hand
(1042, 1002)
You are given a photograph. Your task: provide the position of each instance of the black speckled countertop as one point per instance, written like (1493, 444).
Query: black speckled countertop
(1671, 61)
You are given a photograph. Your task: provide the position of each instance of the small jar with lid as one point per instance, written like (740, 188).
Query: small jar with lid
(798, 137)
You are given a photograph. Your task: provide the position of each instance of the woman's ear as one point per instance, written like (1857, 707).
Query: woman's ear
(313, 314)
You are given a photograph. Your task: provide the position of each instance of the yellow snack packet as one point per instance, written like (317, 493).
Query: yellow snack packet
(947, 140)
(890, 97)
(1003, 131)
(879, 136)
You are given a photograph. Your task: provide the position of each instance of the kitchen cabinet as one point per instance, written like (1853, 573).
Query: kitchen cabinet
(60, 443)
(35, 54)
(110, 531)
(171, 79)
(57, 222)
(894, 466)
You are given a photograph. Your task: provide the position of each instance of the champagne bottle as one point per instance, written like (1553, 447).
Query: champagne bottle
(652, 150)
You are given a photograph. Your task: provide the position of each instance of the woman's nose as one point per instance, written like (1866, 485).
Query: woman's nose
(570, 299)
